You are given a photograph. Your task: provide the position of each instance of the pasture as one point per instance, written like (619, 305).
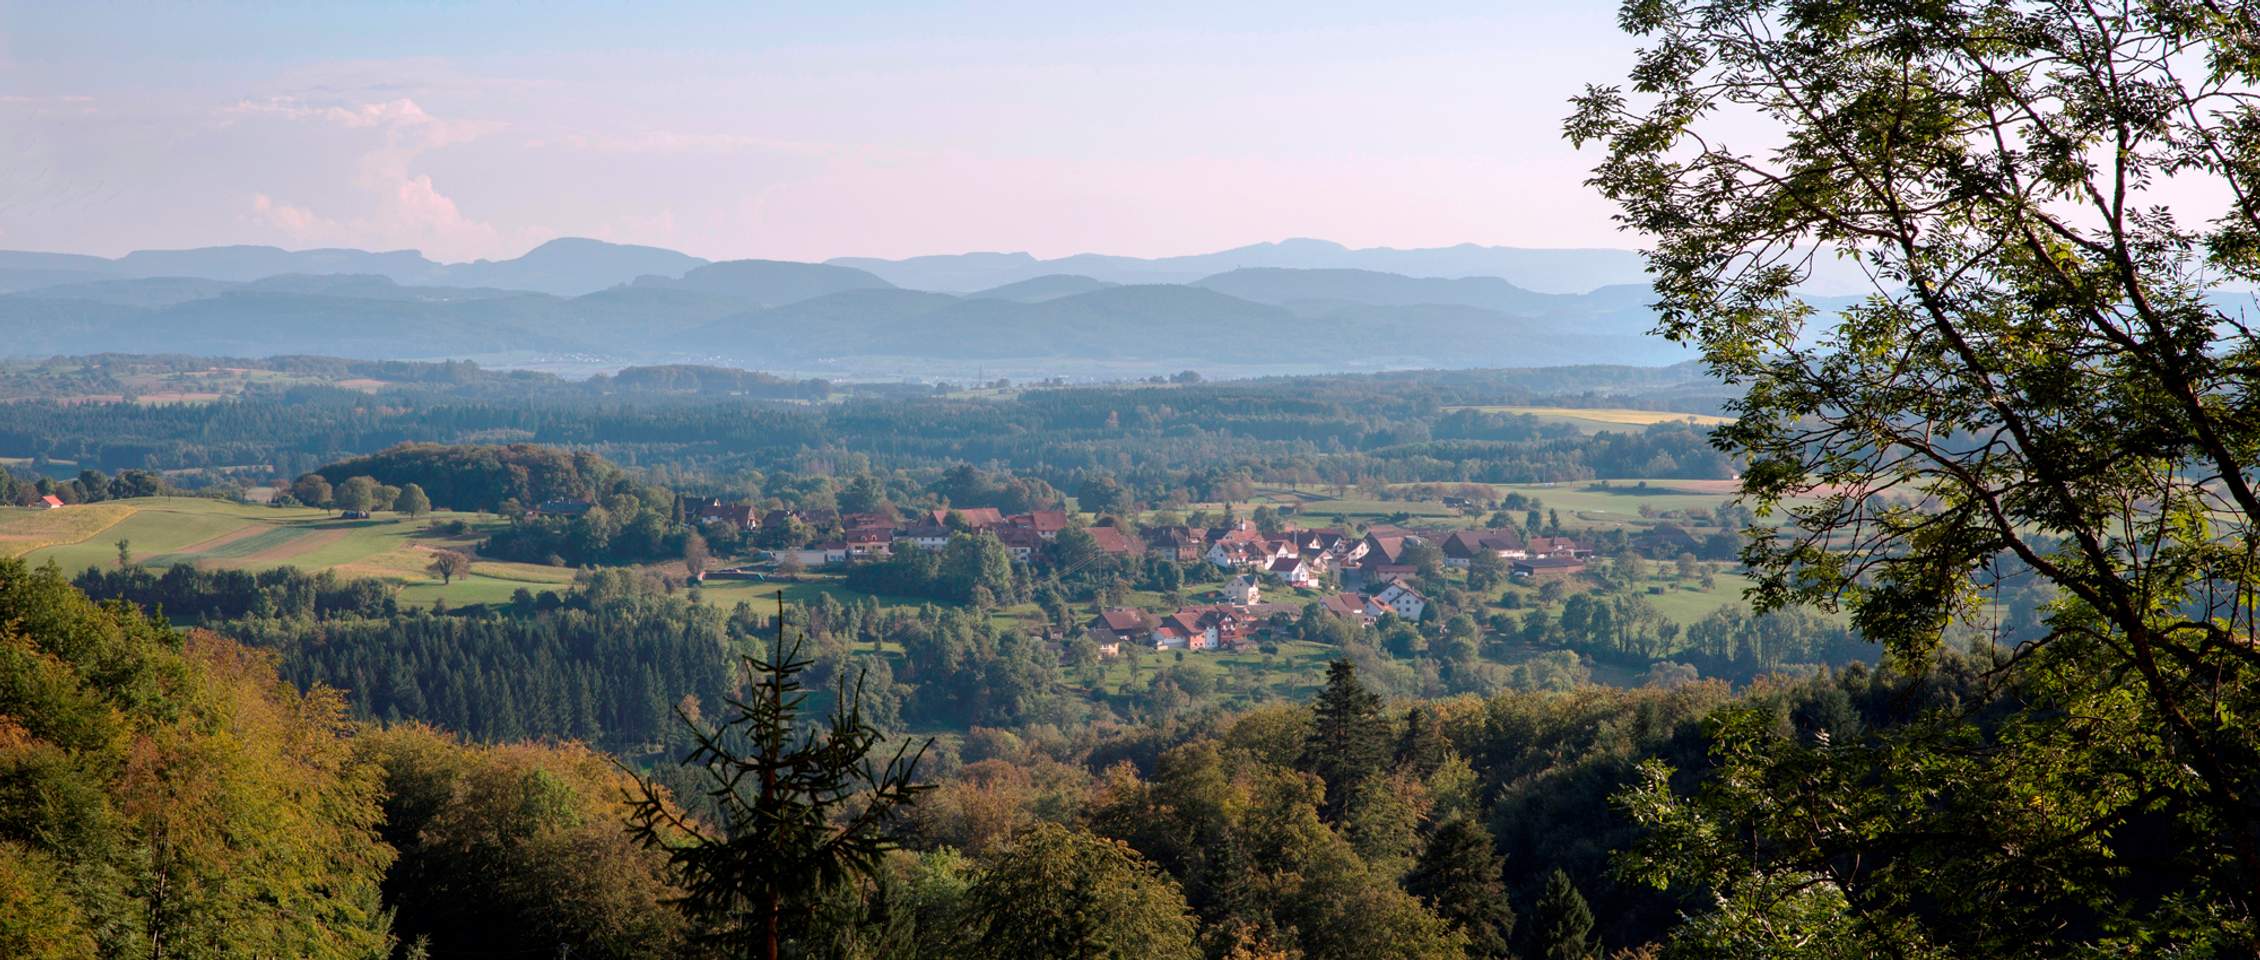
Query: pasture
(1597, 419)
(164, 531)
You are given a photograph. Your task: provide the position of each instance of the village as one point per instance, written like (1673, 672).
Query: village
(1362, 577)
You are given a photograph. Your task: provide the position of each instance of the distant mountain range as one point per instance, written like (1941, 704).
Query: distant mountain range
(1552, 271)
(1297, 306)
(566, 266)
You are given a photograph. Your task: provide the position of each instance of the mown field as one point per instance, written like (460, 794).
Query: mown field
(163, 531)
(1597, 419)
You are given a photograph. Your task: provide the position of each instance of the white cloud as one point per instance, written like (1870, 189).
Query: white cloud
(395, 204)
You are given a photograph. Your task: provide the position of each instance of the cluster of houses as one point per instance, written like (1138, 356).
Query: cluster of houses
(1376, 569)
(1297, 557)
(1378, 565)
(1240, 619)
(1302, 557)
(873, 536)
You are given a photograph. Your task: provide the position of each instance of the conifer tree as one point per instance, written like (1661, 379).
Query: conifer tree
(1423, 748)
(802, 811)
(1348, 739)
(1564, 924)
(1461, 879)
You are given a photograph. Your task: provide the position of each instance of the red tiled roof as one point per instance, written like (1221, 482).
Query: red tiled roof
(1111, 540)
(978, 517)
(1123, 621)
(1044, 521)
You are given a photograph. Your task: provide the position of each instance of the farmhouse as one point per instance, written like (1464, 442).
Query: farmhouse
(1046, 523)
(1183, 630)
(740, 515)
(971, 518)
(1180, 544)
(1544, 547)
(1347, 605)
(1546, 568)
(1112, 542)
(925, 535)
(1120, 624)
(1021, 542)
(1462, 547)
(48, 502)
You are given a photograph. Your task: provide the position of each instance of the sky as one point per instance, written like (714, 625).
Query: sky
(798, 131)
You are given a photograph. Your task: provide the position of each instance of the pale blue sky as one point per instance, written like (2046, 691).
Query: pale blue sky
(797, 131)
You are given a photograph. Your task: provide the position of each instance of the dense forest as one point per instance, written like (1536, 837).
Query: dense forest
(1189, 437)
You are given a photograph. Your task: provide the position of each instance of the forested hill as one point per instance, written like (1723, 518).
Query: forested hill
(1407, 426)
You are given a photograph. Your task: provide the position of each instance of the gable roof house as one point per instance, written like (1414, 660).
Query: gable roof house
(925, 534)
(1463, 545)
(1399, 598)
(1546, 568)
(1348, 606)
(973, 518)
(741, 515)
(1293, 570)
(1389, 550)
(1176, 543)
(1020, 541)
(1121, 623)
(1244, 589)
(1112, 541)
(48, 502)
(1183, 630)
(1046, 523)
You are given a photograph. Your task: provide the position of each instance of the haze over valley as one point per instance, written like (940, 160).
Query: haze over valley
(1300, 306)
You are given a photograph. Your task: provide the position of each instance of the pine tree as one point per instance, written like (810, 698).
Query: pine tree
(1461, 878)
(1423, 748)
(1564, 923)
(802, 812)
(1348, 739)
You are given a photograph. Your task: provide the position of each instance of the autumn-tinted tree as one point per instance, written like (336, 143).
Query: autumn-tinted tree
(165, 795)
(516, 850)
(1062, 894)
(449, 564)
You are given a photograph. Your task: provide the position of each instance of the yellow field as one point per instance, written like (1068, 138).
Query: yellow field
(23, 530)
(1612, 415)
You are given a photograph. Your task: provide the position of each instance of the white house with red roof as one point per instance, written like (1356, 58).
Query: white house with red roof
(1400, 598)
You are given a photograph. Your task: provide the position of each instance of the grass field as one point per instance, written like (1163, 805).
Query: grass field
(1597, 419)
(23, 530)
(217, 534)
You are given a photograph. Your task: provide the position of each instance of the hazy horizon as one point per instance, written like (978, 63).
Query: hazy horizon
(481, 131)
